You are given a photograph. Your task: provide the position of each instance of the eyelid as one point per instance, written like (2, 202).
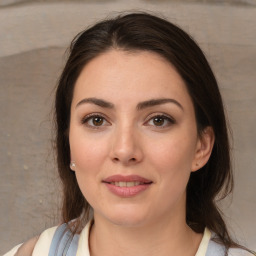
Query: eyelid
(163, 115)
(86, 118)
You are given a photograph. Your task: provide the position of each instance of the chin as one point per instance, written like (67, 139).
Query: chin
(127, 217)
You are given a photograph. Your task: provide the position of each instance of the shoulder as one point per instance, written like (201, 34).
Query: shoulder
(36, 246)
(27, 248)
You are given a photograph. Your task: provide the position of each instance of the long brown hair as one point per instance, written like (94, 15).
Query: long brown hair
(145, 32)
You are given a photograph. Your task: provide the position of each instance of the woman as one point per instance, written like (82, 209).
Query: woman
(142, 146)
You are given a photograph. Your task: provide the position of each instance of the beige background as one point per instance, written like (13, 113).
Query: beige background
(33, 38)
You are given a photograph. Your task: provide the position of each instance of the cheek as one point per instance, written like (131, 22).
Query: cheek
(88, 154)
(87, 151)
(172, 162)
(173, 153)
(172, 158)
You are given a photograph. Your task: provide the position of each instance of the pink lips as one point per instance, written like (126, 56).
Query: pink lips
(126, 186)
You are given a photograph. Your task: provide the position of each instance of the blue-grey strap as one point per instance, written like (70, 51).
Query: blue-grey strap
(64, 243)
(215, 249)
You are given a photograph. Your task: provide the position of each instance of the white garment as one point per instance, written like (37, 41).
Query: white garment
(13, 251)
(43, 244)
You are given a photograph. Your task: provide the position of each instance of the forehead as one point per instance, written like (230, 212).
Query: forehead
(128, 76)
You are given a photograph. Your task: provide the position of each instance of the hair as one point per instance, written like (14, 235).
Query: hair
(145, 32)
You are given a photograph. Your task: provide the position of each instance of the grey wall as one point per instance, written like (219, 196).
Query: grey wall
(33, 38)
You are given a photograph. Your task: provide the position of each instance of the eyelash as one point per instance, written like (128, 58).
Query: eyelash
(90, 117)
(167, 118)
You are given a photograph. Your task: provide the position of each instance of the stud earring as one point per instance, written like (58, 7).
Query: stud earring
(72, 165)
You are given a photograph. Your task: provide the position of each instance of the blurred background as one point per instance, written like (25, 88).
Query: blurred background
(33, 38)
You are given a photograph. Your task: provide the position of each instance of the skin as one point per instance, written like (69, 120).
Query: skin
(127, 140)
(27, 248)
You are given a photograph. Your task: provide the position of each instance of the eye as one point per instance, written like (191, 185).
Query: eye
(95, 121)
(160, 121)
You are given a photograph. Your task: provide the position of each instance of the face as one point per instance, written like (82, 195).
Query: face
(133, 137)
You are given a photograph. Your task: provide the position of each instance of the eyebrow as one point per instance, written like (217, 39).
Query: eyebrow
(95, 101)
(156, 102)
(140, 106)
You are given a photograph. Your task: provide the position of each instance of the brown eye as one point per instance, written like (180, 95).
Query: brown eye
(97, 121)
(158, 121)
(161, 121)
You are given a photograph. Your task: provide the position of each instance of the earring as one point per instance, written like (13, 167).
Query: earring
(72, 165)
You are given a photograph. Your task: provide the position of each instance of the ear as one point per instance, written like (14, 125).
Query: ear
(204, 147)
(72, 164)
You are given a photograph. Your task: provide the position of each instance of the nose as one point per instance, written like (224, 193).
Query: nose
(126, 146)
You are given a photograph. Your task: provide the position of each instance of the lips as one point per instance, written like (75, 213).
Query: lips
(129, 178)
(127, 186)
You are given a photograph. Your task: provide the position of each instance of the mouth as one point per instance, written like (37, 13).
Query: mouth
(127, 181)
(127, 186)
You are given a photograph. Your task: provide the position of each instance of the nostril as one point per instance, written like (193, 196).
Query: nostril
(116, 159)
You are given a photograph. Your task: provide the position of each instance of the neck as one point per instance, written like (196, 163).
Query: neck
(165, 238)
